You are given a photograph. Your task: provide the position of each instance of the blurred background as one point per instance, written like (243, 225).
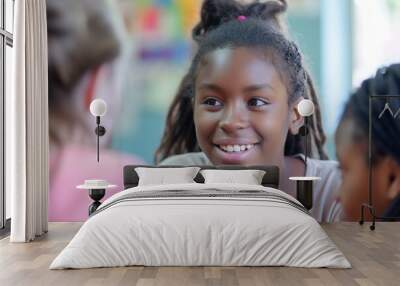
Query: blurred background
(343, 42)
(133, 54)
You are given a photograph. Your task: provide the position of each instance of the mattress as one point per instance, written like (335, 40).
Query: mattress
(201, 225)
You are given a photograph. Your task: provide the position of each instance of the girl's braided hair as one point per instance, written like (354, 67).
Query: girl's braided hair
(220, 28)
(386, 129)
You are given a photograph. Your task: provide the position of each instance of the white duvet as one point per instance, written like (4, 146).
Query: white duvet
(203, 231)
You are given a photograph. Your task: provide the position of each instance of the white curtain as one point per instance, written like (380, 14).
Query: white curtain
(27, 141)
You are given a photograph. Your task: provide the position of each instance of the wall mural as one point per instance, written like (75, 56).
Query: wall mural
(131, 54)
(134, 55)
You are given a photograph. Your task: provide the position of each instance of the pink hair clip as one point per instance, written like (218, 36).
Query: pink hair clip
(242, 18)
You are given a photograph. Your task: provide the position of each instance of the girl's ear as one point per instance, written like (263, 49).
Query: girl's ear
(295, 119)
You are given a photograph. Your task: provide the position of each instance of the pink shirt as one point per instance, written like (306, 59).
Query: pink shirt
(71, 166)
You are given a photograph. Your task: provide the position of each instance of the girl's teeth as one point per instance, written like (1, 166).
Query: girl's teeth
(236, 148)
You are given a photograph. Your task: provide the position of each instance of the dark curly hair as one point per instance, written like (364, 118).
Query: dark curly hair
(219, 28)
(386, 129)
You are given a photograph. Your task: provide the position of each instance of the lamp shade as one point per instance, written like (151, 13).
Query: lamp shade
(306, 107)
(98, 107)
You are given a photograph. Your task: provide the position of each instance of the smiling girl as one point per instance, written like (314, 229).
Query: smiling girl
(237, 104)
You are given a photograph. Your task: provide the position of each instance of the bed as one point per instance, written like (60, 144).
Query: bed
(201, 224)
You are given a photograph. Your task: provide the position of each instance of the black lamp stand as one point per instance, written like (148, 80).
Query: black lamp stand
(100, 131)
(370, 205)
(304, 132)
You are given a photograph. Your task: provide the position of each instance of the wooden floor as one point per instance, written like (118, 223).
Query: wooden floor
(374, 255)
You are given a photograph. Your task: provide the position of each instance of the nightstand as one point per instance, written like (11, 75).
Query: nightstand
(97, 190)
(304, 190)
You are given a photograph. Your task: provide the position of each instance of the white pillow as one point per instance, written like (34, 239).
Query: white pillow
(248, 177)
(162, 176)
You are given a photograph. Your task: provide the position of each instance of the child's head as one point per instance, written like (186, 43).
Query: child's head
(238, 101)
(352, 145)
(82, 37)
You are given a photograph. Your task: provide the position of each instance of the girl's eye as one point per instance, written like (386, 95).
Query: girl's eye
(257, 102)
(212, 102)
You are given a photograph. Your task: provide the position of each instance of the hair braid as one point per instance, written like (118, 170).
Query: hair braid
(386, 129)
(179, 138)
(316, 120)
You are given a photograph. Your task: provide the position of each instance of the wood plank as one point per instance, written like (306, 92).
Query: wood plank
(375, 257)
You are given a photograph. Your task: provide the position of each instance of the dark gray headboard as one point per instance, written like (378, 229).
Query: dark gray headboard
(270, 179)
